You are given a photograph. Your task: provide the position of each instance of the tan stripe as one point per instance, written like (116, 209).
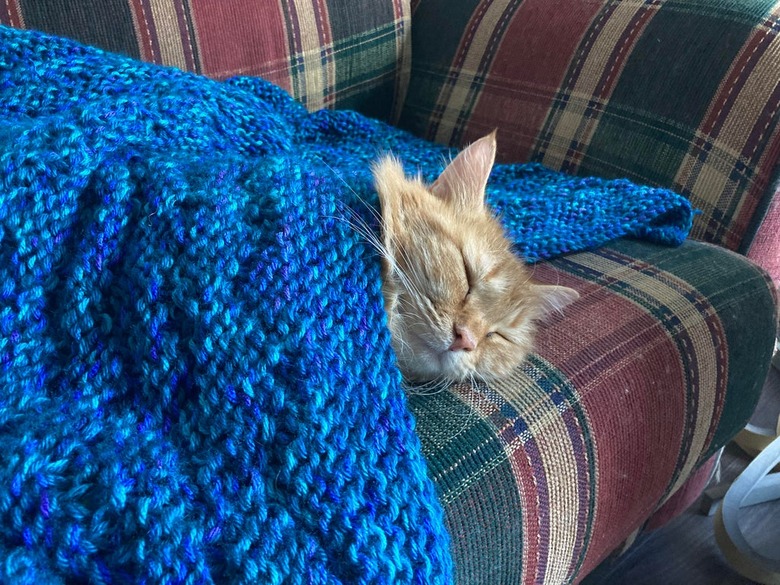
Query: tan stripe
(570, 123)
(461, 91)
(195, 40)
(169, 35)
(403, 55)
(314, 77)
(712, 185)
(665, 286)
(548, 428)
(326, 42)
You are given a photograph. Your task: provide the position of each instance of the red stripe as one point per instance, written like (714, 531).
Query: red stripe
(240, 38)
(296, 73)
(496, 35)
(468, 37)
(11, 14)
(522, 85)
(643, 404)
(401, 59)
(323, 23)
(526, 477)
(152, 28)
(765, 249)
(293, 25)
(722, 359)
(324, 34)
(143, 32)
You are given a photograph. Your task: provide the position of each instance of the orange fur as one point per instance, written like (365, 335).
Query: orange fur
(459, 302)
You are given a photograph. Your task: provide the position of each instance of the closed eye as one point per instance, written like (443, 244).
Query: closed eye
(496, 334)
(469, 275)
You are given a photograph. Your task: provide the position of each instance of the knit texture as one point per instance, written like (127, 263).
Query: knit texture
(196, 380)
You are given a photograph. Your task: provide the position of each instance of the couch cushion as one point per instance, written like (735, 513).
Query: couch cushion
(677, 94)
(657, 365)
(325, 53)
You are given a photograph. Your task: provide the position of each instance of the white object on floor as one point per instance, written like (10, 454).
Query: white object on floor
(756, 485)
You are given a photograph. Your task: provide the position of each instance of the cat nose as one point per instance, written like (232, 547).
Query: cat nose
(464, 339)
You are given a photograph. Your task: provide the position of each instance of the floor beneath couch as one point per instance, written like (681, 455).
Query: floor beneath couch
(684, 551)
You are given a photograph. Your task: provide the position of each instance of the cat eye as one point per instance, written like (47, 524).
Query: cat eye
(469, 275)
(490, 334)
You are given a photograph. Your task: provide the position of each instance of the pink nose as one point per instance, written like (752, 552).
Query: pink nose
(464, 339)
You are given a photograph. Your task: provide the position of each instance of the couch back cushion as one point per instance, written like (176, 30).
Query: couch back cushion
(676, 94)
(327, 53)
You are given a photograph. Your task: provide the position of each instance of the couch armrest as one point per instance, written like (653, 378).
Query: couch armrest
(674, 94)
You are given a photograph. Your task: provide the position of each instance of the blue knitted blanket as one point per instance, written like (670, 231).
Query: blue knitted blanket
(196, 381)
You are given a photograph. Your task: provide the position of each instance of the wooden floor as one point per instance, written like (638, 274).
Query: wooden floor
(684, 551)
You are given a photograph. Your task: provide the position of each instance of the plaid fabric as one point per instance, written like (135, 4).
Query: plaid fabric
(765, 248)
(657, 365)
(666, 92)
(327, 53)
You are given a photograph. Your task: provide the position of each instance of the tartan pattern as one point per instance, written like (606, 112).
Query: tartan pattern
(324, 52)
(665, 92)
(765, 247)
(539, 476)
(659, 363)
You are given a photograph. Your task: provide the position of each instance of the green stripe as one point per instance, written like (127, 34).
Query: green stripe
(667, 84)
(107, 24)
(349, 19)
(475, 483)
(366, 68)
(373, 51)
(448, 21)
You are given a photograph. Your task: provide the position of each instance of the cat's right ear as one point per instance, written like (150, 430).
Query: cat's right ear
(463, 181)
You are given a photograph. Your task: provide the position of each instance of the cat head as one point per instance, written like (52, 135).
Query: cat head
(459, 302)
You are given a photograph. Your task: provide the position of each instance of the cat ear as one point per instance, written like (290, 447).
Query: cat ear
(389, 181)
(553, 298)
(463, 181)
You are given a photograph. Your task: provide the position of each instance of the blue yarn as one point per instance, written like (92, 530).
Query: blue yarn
(196, 380)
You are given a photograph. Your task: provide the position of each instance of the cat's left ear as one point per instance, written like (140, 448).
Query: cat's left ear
(463, 181)
(553, 298)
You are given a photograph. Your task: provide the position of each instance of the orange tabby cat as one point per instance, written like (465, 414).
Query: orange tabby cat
(459, 302)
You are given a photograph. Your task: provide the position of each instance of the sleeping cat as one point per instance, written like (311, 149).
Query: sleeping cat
(460, 304)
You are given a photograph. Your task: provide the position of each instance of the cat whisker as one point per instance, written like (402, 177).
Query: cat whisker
(360, 226)
(429, 388)
(357, 223)
(531, 274)
(369, 208)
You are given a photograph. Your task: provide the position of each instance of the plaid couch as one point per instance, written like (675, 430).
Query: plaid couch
(612, 424)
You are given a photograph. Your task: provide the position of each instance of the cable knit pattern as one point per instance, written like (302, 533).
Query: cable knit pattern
(196, 380)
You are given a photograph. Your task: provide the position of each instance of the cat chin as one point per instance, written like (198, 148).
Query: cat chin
(432, 366)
